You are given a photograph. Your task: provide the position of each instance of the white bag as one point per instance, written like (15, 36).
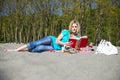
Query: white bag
(105, 47)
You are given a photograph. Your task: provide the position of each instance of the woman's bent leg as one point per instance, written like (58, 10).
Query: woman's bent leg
(43, 41)
(42, 48)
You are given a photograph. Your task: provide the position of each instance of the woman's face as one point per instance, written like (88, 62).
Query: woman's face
(74, 28)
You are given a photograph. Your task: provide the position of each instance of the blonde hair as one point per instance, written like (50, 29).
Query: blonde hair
(78, 27)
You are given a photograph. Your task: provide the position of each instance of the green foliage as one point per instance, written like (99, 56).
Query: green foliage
(28, 20)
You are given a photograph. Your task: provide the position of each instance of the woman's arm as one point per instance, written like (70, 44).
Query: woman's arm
(60, 42)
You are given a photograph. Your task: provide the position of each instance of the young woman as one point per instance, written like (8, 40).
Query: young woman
(51, 42)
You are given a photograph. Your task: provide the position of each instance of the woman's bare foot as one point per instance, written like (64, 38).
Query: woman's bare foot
(10, 50)
(22, 48)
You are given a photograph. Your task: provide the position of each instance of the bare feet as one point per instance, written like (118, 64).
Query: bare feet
(9, 50)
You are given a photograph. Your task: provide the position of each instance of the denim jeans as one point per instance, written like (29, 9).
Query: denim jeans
(43, 44)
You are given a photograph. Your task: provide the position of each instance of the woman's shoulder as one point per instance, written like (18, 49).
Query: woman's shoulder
(65, 30)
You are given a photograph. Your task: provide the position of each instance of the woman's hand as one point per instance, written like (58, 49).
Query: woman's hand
(68, 43)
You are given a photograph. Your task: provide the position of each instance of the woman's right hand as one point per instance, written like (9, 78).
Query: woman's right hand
(68, 43)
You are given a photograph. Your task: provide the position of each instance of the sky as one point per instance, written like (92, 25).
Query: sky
(31, 9)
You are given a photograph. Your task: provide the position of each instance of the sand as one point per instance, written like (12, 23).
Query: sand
(57, 65)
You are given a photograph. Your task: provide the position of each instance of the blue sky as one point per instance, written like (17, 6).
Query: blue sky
(31, 9)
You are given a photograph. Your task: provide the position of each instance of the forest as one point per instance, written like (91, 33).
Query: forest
(23, 21)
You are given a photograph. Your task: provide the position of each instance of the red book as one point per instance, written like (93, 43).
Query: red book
(79, 43)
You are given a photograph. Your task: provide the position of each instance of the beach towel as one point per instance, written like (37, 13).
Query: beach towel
(85, 50)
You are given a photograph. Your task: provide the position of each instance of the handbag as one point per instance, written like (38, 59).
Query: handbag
(106, 47)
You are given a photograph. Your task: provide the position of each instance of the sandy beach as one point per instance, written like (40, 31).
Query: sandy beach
(57, 65)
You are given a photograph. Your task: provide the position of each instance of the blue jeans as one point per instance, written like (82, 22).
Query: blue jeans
(43, 44)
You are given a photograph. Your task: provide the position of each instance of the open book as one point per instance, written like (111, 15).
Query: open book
(76, 44)
(79, 43)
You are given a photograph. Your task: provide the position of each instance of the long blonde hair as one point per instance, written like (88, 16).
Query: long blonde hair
(78, 27)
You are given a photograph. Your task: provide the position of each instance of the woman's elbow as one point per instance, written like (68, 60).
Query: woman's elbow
(57, 41)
